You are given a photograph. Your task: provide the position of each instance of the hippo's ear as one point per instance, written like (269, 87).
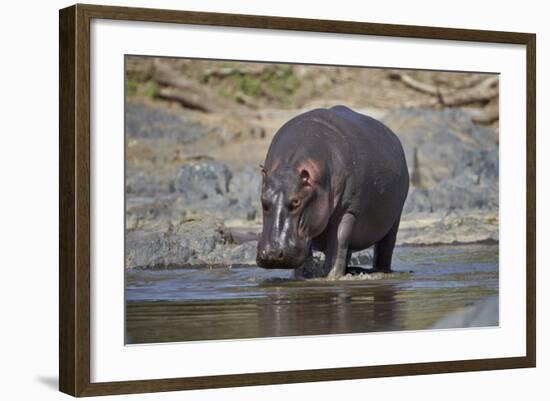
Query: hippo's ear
(305, 178)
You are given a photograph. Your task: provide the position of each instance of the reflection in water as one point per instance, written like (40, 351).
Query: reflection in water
(314, 311)
(249, 302)
(324, 311)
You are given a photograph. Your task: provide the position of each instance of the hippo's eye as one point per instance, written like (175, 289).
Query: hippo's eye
(294, 204)
(265, 206)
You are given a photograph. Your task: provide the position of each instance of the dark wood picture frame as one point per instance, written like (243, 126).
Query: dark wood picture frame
(74, 199)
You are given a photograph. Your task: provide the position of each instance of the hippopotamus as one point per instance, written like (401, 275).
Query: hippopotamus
(334, 180)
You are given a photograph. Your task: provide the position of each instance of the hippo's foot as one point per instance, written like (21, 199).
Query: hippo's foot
(312, 268)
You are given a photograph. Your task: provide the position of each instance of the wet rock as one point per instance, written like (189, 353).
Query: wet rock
(312, 268)
(195, 240)
(241, 254)
(484, 313)
(315, 266)
(188, 242)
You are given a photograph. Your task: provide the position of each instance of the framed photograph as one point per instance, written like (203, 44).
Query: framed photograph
(249, 200)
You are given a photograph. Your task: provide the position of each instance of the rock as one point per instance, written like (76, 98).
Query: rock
(147, 213)
(440, 139)
(454, 190)
(200, 240)
(473, 185)
(143, 121)
(244, 191)
(314, 266)
(175, 245)
(244, 253)
(448, 228)
(361, 258)
(210, 186)
(141, 184)
(239, 236)
(484, 313)
(202, 180)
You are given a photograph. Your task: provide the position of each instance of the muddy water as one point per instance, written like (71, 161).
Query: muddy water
(247, 302)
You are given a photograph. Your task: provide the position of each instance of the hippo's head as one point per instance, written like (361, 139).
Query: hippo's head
(295, 210)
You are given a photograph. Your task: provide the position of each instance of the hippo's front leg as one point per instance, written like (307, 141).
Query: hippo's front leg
(337, 251)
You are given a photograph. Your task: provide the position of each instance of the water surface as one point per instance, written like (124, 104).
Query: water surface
(247, 302)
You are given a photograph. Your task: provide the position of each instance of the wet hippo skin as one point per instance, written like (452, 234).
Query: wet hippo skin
(334, 180)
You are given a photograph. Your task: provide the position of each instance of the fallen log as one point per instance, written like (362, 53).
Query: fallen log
(487, 115)
(185, 98)
(223, 72)
(174, 86)
(418, 85)
(483, 91)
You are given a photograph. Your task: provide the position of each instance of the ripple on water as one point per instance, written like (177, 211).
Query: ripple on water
(247, 301)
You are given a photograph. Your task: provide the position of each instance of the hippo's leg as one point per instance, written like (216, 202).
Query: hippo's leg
(383, 250)
(337, 253)
(308, 269)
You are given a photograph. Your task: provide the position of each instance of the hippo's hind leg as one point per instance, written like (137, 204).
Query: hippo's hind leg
(383, 249)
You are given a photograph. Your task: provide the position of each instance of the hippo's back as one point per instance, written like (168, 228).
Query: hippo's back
(371, 140)
(377, 173)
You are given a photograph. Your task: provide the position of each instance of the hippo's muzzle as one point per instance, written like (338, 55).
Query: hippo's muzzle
(270, 255)
(274, 257)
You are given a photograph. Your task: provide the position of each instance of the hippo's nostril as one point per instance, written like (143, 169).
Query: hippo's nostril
(280, 255)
